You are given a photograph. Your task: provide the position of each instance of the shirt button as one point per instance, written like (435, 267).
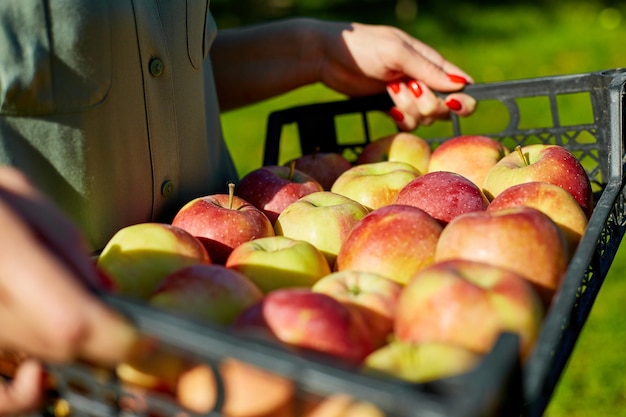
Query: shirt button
(167, 188)
(156, 67)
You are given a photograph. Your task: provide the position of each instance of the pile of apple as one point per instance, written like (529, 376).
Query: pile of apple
(409, 261)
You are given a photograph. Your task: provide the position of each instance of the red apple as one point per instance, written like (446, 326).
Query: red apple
(279, 262)
(469, 304)
(310, 322)
(333, 213)
(272, 188)
(325, 167)
(521, 239)
(551, 199)
(210, 293)
(139, 256)
(543, 163)
(376, 184)
(398, 147)
(395, 241)
(443, 194)
(469, 155)
(222, 222)
(374, 295)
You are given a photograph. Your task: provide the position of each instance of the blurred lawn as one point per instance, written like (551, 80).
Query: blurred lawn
(498, 44)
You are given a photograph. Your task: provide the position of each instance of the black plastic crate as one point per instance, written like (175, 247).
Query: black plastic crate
(499, 386)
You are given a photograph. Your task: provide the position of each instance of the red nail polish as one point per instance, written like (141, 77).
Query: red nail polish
(457, 79)
(454, 104)
(395, 87)
(396, 114)
(415, 88)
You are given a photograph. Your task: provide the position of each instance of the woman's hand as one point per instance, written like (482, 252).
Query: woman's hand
(365, 59)
(46, 309)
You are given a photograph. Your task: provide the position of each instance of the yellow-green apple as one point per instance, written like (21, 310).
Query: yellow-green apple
(374, 295)
(157, 370)
(222, 222)
(279, 262)
(545, 163)
(249, 391)
(395, 241)
(323, 219)
(375, 184)
(553, 201)
(309, 322)
(139, 256)
(325, 167)
(272, 188)
(421, 362)
(210, 293)
(468, 303)
(398, 147)
(523, 239)
(443, 194)
(469, 155)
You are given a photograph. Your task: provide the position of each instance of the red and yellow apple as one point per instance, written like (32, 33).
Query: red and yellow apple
(551, 199)
(222, 222)
(394, 241)
(323, 219)
(375, 295)
(375, 184)
(543, 163)
(443, 194)
(272, 188)
(325, 167)
(213, 294)
(468, 303)
(279, 262)
(521, 239)
(139, 256)
(469, 155)
(398, 147)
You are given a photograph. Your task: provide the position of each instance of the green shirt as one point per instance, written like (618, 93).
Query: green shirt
(109, 106)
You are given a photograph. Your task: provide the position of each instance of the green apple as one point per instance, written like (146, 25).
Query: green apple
(323, 219)
(398, 147)
(375, 184)
(139, 256)
(279, 262)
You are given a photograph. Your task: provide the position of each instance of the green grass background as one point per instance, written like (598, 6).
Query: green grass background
(500, 43)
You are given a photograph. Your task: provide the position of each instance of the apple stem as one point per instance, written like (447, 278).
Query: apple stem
(292, 170)
(518, 148)
(231, 194)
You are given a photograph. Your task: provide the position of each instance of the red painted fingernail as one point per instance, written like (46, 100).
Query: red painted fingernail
(395, 87)
(454, 104)
(415, 88)
(396, 114)
(457, 79)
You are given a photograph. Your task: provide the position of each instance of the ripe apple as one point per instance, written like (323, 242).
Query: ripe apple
(222, 222)
(521, 239)
(374, 295)
(249, 391)
(279, 262)
(309, 322)
(139, 256)
(469, 155)
(443, 194)
(157, 370)
(398, 147)
(468, 303)
(551, 199)
(213, 294)
(375, 185)
(272, 188)
(332, 213)
(544, 163)
(421, 362)
(325, 167)
(395, 241)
